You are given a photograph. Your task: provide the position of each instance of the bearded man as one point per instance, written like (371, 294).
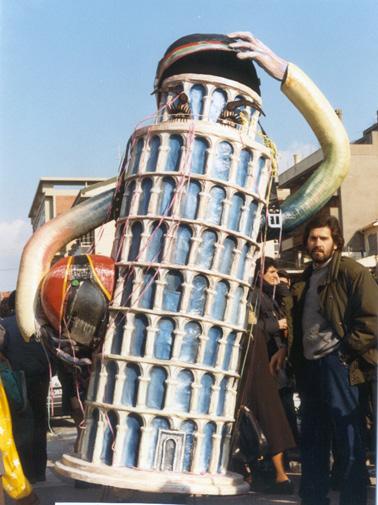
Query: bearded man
(335, 326)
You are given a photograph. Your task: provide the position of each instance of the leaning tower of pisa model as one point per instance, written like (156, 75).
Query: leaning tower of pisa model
(161, 400)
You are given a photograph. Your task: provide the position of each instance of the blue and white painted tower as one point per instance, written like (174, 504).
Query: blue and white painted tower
(161, 400)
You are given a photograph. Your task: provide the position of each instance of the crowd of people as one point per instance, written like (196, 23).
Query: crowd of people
(316, 338)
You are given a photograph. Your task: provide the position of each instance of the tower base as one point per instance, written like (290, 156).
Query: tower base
(151, 481)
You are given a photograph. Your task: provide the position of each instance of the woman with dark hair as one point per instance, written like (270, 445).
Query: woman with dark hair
(274, 319)
(259, 389)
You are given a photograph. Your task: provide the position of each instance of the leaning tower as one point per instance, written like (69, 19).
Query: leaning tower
(161, 399)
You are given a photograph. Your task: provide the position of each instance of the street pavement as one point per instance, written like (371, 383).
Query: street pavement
(57, 489)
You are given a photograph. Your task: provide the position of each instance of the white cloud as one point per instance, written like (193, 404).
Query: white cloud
(286, 156)
(14, 235)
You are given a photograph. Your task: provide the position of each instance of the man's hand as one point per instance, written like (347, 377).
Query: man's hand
(249, 47)
(277, 361)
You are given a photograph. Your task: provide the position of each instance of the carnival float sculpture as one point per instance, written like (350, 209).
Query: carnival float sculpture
(165, 317)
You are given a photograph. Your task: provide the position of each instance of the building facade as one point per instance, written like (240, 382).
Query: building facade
(54, 196)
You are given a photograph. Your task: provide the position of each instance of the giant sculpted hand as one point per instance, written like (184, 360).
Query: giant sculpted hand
(249, 47)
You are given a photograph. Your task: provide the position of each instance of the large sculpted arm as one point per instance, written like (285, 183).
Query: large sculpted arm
(321, 117)
(45, 243)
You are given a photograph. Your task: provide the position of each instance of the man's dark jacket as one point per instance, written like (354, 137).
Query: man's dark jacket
(349, 301)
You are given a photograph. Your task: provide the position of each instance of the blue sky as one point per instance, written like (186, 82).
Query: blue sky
(76, 76)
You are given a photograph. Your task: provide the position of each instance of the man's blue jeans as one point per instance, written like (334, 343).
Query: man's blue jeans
(330, 413)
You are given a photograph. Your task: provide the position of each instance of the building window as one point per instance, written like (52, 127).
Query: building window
(111, 372)
(189, 427)
(196, 96)
(154, 154)
(166, 196)
(138, 339)
(242, 171)
(119, 325)
(181, 249)
(130, 385)
(147, 294)
(215, 205)
(174, 154)
(207, 382)
(136, 230)
(164, 339)
(137, 153)
(225, 261)
(199, 156)
(198, 295)
(222, 396)
(156, 388)
(237, 203)
(213, 337)
(372, 243)
(220, 301)
(109, 437)
(155, 243)
(206, 249)
(228, 351)
(190, 342)
(218, 101)
(190, 200)
(145, 197)
(183, 390)
(131, 442)
(222, 161)
(172, 291)
(207, 447)
(236, 304)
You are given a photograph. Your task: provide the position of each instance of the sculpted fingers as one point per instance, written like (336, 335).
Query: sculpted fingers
(242, 35)
(248, 47)
(241, 45)
(247, 55)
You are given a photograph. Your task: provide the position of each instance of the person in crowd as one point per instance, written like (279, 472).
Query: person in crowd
(271, 300)
(284, 297)
(4, 308)
(259, 390)
(335, 325)
(30, 433)
(274, 319)
(284, 277)
(12, 478)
